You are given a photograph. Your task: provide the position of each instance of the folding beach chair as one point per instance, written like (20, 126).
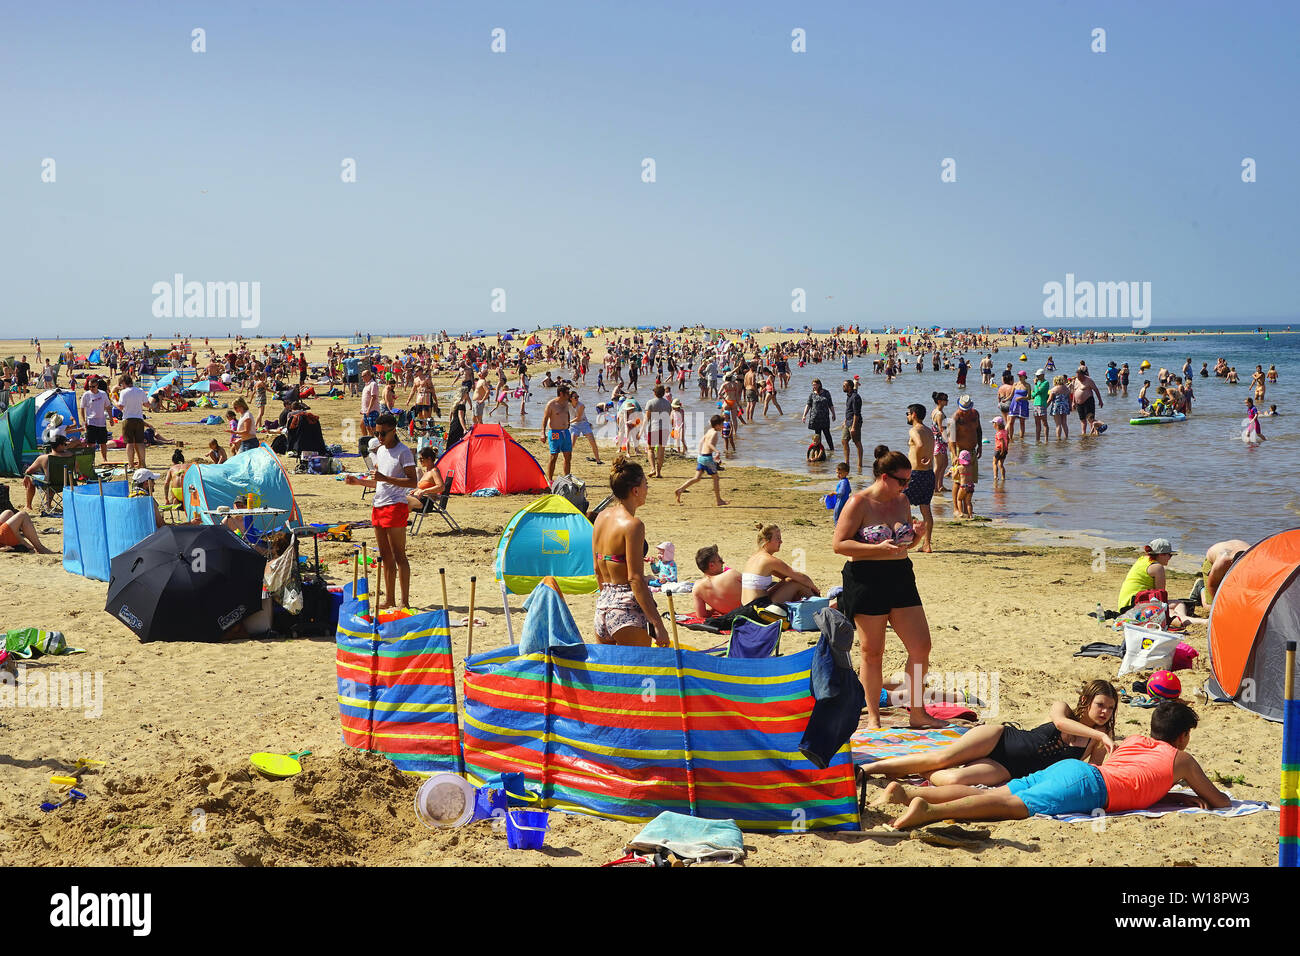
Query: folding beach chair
(52, 485)
(750, 639)
(437, 506)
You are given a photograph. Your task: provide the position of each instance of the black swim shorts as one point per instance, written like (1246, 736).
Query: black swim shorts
(920, 490)
(1087, 408)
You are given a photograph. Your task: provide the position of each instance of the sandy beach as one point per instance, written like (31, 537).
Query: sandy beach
(179, 720)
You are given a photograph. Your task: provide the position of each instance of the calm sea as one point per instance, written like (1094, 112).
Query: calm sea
(1194, 482)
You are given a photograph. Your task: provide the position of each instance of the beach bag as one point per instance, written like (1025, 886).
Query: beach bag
(801, 612)
(320, 465)
(1147, 649)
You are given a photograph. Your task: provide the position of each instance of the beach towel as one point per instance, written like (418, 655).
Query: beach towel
(691, 838)
(872, 745)
(28, 642)
(1239, 808)
(549, 622)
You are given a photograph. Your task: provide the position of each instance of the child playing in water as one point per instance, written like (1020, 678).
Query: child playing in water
(817, 451)
(1001, 444)
(963, 489)
(728, 439)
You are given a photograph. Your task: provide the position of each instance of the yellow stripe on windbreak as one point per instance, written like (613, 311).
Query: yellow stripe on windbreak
(590, 709)
(638, 754)
(1290, 783)
(417, 736)
(398, 708)
(407, 636)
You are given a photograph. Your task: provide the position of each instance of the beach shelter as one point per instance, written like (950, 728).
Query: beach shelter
(549, 538)
(487, 457)
(163, 382)
(100, 521)
(60, 400)
(1256, 611)
(18, 438)
(257, 473)
(94, 358)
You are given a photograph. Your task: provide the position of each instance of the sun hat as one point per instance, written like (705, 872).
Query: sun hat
(142, 475)
(677, 403)
(998, 420)
(1022, 374)
(1160, 546)
(667, 548)
(629, 406)
(1040, 374)
(965, 401)
(964, 458)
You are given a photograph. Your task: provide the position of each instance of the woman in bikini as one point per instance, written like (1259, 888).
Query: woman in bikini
(939, 428)
(625, 609)
(767, 576)
(875, 531)
(992, 754)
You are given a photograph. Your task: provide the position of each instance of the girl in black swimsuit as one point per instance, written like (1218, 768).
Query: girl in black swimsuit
(992, 754)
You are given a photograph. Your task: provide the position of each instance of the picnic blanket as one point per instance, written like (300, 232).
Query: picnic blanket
(1239, 808)
(872, 745)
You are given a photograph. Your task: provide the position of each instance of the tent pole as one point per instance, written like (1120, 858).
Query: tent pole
(1288, 843)
(505, 606)
(455, 709)
(472, 585)
(681, 700)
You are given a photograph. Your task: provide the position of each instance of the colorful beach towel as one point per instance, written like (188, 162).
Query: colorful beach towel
(872, 745)
(1239, 808)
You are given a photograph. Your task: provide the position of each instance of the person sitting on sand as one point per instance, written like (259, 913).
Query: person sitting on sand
(17, 533)
(816, 450)
(1137, 774)
(1147, 573)
(767, 576)
(216, 454)
(992, 754)
(718, 592)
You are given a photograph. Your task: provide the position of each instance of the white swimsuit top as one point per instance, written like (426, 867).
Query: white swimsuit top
(756, 582)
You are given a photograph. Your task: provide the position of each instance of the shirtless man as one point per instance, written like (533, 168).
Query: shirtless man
(481, 392)
(967, 435)
(718, 592)
(420, 400)
(1218, 559)
(751, 392)
(1087, 399)
(555, 430)
(920, 490)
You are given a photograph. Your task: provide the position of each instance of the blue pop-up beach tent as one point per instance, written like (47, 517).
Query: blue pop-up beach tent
(258, 472)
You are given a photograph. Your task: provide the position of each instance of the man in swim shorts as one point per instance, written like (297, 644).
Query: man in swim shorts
(1087, 399)
(920, 489)
(555, 430)
(1137, 774)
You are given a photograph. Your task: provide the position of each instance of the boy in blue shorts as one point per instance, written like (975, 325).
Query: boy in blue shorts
(706, 462)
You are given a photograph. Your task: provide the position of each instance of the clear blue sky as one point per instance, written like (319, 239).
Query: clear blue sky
(522, 170)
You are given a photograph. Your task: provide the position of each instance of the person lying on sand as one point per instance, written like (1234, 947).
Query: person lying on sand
(1137, 774)
(992, 754)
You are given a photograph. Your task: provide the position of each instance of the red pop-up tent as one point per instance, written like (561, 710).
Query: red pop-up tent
(487, 457)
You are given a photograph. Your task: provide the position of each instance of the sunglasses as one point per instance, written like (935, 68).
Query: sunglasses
(904, 482)
(383, 434)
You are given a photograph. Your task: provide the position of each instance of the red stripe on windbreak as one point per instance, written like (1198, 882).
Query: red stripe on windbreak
(795, 784)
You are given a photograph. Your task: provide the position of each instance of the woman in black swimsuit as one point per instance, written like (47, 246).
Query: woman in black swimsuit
(992, 754)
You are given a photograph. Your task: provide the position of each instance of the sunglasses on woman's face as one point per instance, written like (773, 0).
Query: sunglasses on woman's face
(904, 482)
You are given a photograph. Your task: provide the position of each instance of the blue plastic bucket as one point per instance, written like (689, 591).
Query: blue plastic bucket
(489, 802)
(526, 829)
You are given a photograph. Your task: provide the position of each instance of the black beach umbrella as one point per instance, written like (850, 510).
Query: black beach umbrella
(185, 583)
